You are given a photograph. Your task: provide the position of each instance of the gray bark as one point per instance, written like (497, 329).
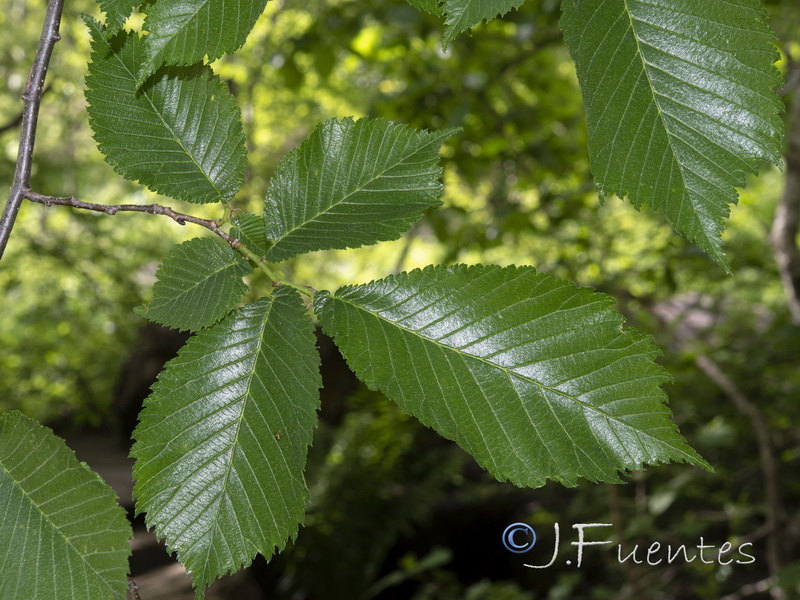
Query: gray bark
(787, 216)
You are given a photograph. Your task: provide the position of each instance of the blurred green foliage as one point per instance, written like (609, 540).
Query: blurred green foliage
(517, 190)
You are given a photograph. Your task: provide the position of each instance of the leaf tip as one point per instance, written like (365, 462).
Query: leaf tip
(146, 71)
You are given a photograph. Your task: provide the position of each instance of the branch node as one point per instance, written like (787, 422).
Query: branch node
(31, 100)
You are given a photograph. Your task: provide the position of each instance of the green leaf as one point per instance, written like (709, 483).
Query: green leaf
(352, 183)
(429, 6)
(461, 15)
(117, 12)
(222, 442)
(62, 532)
(182, 33)
(180, 135)
(199, 282)
(532, 376)
(249, 229)
(681, 103)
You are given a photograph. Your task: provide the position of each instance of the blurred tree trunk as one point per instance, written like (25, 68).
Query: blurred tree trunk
(787, 216)
(154, 346)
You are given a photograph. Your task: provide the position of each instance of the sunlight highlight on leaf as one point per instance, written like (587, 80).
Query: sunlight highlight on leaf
(680, 101)
(221, 445)
(350, 184)
(534, 377)
(180, 135)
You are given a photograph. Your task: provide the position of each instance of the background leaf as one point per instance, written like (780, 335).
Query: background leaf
(62, 533)
(182, 33)
(350, 184)
(429, 6)
(222, 442)
(180, 135)
(532, 376)
(198, 283)
(681, 104)
(117, 12)
(461, 15)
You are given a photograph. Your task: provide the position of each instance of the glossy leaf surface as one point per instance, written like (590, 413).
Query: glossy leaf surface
(532, 376)
(221, 447)
(680, 101)
(249, 229)
(62, 533)
(350, 184)
(182, 32)
(180, 135)
(198, 283)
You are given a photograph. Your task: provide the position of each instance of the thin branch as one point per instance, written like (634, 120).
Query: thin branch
(401, 259)
(759, 587)
(153, 209)
(754, 536)
(15, 122)
(31, 100)
(133, 590)
(766, 452)
(12, 124)
(179, 218)
(633, 579)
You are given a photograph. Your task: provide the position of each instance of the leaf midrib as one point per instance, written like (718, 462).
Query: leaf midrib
(457, 23)
(508, 372)
(358, 189)
(248, 397)
(160, 52)
(166, 125)
(686, 192)
(46, 517)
